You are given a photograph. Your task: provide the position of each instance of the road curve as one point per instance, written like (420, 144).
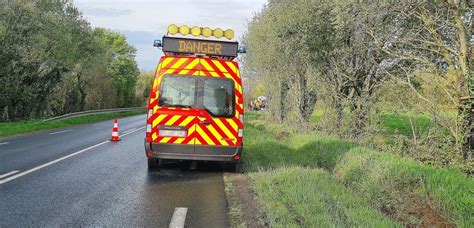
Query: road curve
(106, 184)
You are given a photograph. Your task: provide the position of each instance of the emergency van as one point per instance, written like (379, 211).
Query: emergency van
(196, 106)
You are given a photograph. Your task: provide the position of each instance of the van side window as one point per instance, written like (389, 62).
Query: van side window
(218, 97)
(177, 91)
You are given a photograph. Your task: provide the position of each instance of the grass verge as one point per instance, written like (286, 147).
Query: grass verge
(21, 127)
(272, 146)
(407, 192)
(304, 197)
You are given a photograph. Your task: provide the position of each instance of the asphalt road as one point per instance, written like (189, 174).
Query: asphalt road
(76, 177)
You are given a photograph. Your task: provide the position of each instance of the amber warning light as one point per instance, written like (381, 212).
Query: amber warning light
(200, 31)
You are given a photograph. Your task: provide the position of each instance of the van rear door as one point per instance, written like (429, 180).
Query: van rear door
(217, 122)
(218, 104)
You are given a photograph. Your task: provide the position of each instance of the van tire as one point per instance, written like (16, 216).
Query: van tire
(153, 163)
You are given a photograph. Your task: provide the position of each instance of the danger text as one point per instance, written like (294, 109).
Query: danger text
(200, 47)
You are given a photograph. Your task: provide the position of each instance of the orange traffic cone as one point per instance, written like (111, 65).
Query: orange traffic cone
(115, 135)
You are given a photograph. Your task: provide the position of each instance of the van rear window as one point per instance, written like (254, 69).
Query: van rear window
(218, 96)
(178, 92)
(215, 95)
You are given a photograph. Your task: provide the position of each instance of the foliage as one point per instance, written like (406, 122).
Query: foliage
(356, 60)
(258, 91)
(52, 62)
(143, 87)
(280, 54)
(122, 67)
(318, 47)
(398, 186)
(431, 61)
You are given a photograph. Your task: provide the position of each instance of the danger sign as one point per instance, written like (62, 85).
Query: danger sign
(195, 46)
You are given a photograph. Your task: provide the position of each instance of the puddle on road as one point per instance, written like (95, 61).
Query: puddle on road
(175, 185)
(180, 171)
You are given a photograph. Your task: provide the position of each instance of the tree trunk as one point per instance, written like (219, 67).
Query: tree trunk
(81, 89)
(307, 100)
(282, 110)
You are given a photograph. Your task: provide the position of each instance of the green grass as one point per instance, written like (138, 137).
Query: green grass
(21, 127)
(317, 115)
(398, 186)
(396, 123)
(303, 197)
(272, 145)
(387, 180)
(399, 123)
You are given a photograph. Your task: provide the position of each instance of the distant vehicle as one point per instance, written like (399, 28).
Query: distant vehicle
(196, 107)
(259, 103)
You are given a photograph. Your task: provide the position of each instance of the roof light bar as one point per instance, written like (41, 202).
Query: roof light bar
(200, 31)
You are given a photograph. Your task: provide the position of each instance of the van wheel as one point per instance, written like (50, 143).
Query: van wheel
(153, 163)
(233, 167)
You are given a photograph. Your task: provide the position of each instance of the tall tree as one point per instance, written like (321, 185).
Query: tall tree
(52, 62)
(122, 69)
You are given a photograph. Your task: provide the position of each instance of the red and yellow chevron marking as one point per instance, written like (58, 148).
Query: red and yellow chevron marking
(174, 120)
(220, 131)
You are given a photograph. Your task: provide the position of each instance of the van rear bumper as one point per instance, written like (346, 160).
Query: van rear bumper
(194, 152)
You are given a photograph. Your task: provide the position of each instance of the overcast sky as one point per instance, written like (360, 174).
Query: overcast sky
(146, 20)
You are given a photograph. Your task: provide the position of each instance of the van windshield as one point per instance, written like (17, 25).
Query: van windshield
(215, 95)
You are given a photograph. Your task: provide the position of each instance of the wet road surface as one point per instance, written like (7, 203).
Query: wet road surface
(105, 184)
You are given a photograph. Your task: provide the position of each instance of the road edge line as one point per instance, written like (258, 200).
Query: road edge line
(127, 133)
(50, 163)
(60, 132)
(9, 173)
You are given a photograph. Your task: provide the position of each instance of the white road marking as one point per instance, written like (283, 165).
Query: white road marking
(132, 131)
(59, 132)
(98, 124)
(129, 130)
(50, 163)
(8, 174)
(4, 143)
(59, 159)
(179, 217)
